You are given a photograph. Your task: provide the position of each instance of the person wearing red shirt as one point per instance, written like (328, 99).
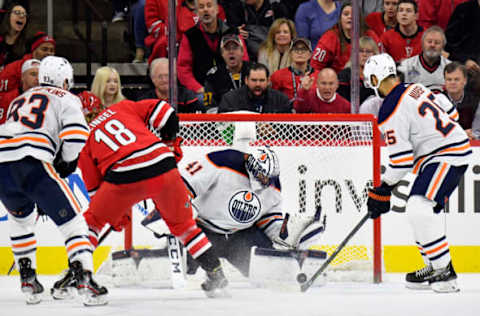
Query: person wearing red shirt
(436, 12)
(405, 40)
(324, 98)
(130, 156)
(29, 80)
(288, 79)
(41, 46)
(333, 49)
(380, 22)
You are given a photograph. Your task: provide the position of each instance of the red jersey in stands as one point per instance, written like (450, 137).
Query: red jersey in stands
(329, 52)
(287, 80)
(5, 99)
(400, 46)
(376, 23)
(11, 75)
(310, 102)
(121, 147)
(436, 12)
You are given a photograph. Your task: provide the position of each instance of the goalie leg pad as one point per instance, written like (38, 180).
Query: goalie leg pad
(273, 268)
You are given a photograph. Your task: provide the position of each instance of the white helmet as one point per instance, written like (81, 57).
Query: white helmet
(263, 164)
(54, 71)
(381, 66)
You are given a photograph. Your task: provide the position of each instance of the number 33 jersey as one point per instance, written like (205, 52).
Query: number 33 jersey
(122, 148)
(418, 131)
(38, 121)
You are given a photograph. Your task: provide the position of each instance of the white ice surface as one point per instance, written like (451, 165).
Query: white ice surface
(390, 298)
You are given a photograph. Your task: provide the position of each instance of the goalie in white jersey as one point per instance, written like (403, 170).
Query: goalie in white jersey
(421, 138)
(237, 197)
(39, 145)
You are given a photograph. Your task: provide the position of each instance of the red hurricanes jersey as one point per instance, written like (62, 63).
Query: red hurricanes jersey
(375, 22)
(5, 99)
(11, 75)
(121, 143)
(329, 52)
(282, 80)
(400, 46)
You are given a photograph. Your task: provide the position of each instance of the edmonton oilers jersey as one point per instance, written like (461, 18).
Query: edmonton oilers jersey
(223, 195)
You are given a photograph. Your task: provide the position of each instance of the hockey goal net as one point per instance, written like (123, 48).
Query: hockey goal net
(326, 161)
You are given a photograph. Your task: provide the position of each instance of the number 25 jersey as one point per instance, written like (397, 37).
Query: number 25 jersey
(122, 148)
(418, 131)
(38, 121)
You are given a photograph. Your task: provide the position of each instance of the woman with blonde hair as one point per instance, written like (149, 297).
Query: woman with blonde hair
(106, 86)
(274, 51)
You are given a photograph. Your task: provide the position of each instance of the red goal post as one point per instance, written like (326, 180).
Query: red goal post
(326, 160)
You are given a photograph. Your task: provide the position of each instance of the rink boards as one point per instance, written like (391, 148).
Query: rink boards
(462, 221)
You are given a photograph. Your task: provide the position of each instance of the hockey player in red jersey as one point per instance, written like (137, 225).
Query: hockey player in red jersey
(423, 139)
(405, 40)
(127, 159)
(40, 142)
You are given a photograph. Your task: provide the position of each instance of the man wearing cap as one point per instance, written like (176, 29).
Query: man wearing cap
(324, 97)
(41, 45)
(29, 80)
(288, 80)
(255, 95)
(199, 48)
(226, 77)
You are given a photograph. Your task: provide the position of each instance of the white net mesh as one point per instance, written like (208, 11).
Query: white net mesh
(325, 163)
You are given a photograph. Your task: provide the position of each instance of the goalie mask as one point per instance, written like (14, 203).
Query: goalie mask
(376, 69)
(55, 71)
(262, 165)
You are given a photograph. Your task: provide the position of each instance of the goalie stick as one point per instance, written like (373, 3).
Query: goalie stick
(305, 286)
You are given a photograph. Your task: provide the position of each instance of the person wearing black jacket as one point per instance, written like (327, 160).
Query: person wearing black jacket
(255, 95)
(225, 77)
(462, 35)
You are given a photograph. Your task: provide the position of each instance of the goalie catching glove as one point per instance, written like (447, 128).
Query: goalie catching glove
(378, 202)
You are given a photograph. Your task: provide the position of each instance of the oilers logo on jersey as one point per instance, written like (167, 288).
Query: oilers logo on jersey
(244, 206)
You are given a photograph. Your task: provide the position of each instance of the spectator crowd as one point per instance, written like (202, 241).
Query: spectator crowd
(282, 56)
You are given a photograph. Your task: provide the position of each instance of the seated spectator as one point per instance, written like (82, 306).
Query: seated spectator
(324, 98)
(187, 102)
(427, 67)
(106, 86)
(464, 100)
(315, 17)
(13, 34)
(255, 95)
(156, 20)
(253, 19)
(333, 49)
(29, 80)
(380, 22)
(462, 35)
(41, 45)
(288, 80)
(199, 48)
(367, 47)
(436, 12)
(274, 50)
(405, 40)
(225, 77)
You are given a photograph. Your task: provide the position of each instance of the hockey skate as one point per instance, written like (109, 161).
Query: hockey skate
(216, 283)
(93, 294)
(65, 288)
(30, 285)
(444, 280)
(418, 280)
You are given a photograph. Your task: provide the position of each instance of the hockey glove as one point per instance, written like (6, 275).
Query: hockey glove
(378, 201)
(64, 168)
(174, 146)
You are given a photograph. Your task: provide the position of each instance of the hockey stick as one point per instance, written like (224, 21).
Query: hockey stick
(305, 286)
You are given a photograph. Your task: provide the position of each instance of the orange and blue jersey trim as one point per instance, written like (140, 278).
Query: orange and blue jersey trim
(457, 149)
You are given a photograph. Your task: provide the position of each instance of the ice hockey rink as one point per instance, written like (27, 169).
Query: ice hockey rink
(343, 299)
